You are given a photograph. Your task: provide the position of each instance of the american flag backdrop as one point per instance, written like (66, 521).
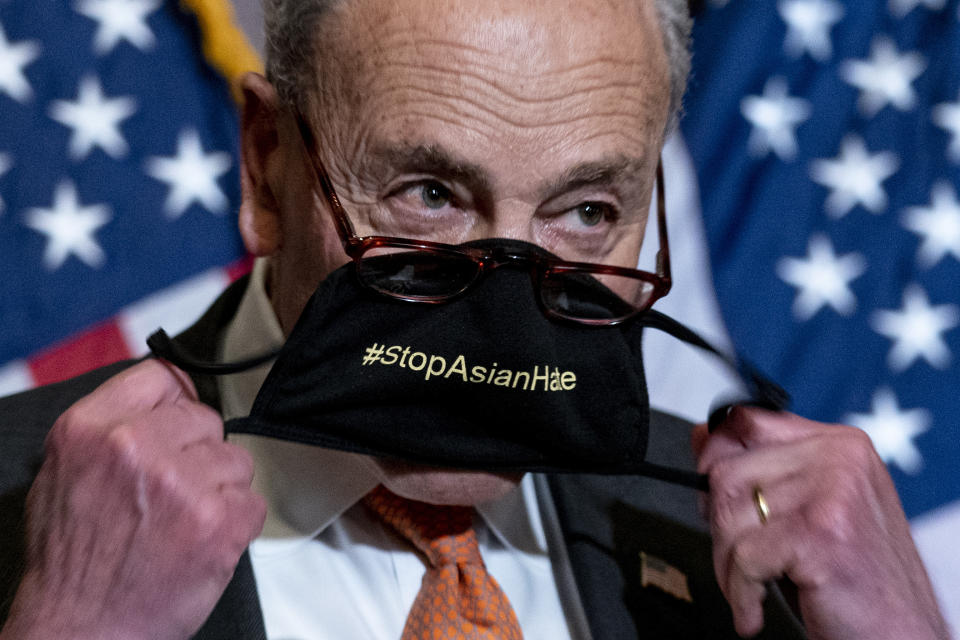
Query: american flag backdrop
(118, 180)
(825, 136)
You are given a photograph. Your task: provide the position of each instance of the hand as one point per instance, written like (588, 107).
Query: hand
(138, 516)
(835, 528)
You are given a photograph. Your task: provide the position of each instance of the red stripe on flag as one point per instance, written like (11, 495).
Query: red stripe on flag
(98, 346)
(240, 268)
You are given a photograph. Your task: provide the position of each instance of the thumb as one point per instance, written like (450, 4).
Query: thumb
(698, 438)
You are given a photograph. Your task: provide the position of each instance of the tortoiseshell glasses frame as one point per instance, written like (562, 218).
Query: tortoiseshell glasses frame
(433, 272)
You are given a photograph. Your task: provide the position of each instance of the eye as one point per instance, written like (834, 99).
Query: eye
(593, 213)
(435, 195)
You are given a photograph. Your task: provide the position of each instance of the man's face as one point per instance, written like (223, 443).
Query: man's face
(539, 120)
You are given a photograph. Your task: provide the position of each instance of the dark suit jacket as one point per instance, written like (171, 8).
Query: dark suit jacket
(606, 522)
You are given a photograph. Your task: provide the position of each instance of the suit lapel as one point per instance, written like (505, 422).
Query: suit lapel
(237, 615)
(633, 567)
(615, 525)
(628, 537)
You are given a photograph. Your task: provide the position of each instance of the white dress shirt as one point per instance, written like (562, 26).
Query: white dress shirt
(325, 568)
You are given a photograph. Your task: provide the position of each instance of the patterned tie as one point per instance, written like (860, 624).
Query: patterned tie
(458, 599)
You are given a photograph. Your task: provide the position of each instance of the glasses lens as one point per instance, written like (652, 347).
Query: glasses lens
(594, 297)
(418, 274)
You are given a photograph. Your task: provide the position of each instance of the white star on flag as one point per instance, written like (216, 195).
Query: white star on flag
(69, 228)
(892, 430)
(775, 117)
(95, 120)
(808, 26)
(120, 20)
(855, 177)
(822, 279)
(13, 58)
(191, 176)
(901, 8)
(917, 330)
(947, 116)
(886, 78)
(5, 163)
(938, 225)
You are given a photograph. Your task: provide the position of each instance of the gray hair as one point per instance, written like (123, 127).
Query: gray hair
(290, 29)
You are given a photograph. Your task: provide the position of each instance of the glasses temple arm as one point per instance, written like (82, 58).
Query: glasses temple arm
(663, 253)
(340, 218)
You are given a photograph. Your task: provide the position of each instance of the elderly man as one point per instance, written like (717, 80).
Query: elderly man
(527, 120)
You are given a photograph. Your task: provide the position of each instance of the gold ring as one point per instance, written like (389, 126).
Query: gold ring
(763, 509)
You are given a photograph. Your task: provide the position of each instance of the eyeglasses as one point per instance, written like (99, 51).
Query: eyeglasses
(434, 273)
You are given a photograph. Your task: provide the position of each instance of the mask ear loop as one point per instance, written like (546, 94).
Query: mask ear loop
(763, 393)
(162, 346)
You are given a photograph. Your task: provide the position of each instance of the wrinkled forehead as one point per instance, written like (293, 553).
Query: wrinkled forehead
(517, 54)
(550, 33)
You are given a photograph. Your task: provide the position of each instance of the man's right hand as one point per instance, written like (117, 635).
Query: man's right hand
(138, 516)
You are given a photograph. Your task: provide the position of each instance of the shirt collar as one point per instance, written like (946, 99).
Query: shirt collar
(289, 474)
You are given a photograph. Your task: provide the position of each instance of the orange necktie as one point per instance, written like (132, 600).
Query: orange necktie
(458, 599)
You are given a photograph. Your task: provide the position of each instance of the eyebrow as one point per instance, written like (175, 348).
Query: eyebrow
(617, 170)
(434, 160)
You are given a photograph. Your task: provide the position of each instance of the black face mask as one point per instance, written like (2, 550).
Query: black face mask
(484, 381)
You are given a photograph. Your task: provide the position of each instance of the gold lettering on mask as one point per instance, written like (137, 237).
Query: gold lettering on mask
(423, 362)
(393, 353)
(431, 368)
(542, 378)
(537, 378)
(526, 379)
(459, 366)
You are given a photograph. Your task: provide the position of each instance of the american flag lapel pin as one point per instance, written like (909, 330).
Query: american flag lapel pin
(657, 573)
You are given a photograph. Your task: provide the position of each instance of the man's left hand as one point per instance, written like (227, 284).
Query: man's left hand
(835, 528)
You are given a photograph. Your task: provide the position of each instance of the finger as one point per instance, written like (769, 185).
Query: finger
(733, 514)
(149, 384)
(766, 554)
(215, 464)
(716, 446)
(734, 474)
(247, 512)
(133, 391)
(183, 423)
(746, 604)
(169, 428)
(736, 515)
(698, 438)
(753, 427)
(742, 428)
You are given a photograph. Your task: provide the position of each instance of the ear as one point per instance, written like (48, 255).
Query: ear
(260, 163)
